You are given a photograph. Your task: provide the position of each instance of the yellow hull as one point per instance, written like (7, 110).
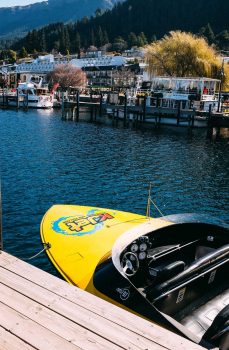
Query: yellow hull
(82, 237)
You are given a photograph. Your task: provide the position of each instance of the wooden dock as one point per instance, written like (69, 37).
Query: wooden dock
(41, 311)
(141, 113)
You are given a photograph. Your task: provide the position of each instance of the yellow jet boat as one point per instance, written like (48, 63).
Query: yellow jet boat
(170, 270)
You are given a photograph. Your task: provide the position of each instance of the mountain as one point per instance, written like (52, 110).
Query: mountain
(18, 20)
(133, 23)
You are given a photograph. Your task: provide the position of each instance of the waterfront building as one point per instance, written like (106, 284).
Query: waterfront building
(101, 69)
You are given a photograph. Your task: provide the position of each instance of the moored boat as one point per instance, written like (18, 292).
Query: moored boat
(28, 95)
(169, 270)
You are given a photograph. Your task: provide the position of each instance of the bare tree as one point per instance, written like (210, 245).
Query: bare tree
(67, 75)
(123, 77)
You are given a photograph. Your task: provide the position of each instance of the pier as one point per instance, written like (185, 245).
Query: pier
(129, 109)
(41, 311)
(145, 110)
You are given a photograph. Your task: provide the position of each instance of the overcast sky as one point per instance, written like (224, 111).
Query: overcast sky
(8, 3)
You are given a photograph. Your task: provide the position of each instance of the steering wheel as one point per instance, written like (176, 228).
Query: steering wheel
(130, 263)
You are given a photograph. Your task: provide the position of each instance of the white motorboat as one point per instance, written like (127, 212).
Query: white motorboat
(29, 95)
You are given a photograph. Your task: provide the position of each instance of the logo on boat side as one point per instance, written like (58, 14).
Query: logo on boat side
(81, 225)
(124, 293)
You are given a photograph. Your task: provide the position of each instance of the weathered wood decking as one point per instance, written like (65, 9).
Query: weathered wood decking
(40, 311)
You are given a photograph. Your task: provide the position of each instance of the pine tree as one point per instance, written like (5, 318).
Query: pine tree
(99, 37)
(23, 53)
(67, 41)
(43, 41)
(132, 40)
(92, 41)
(77, 43)
(208, 33)
(105, 38)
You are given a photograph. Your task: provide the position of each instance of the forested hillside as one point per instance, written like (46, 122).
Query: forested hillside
(135, 22)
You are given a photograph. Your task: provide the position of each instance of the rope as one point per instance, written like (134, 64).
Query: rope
(151, 201)
(156, 207)
(46, 247)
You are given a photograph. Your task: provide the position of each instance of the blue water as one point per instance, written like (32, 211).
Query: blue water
(45, 161)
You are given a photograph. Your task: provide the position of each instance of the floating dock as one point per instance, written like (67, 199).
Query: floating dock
(41, 311)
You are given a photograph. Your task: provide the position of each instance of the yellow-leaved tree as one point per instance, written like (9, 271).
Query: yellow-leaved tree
(182, 54)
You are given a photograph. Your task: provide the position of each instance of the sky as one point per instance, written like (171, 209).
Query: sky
(9, 3)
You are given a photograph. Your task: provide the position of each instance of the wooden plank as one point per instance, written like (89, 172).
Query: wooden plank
(109, 311)
(32, 333)
(52, 321)
(9, 341)
(95, 323)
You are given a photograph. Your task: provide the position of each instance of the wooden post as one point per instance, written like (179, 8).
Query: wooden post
(27, 99)
(178, 112)
(101, 105)
(77, 105)
(62, 103)
(125, 107)
(209, 115)
(193, 119)
(91, 118)
(18, 102)
(3, 97)
(144, 108)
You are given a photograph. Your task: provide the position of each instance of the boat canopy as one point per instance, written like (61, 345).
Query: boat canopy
(186, 85)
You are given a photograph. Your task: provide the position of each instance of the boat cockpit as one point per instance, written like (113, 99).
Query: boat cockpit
(182, 271)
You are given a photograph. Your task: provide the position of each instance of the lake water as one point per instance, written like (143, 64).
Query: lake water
(46, 161)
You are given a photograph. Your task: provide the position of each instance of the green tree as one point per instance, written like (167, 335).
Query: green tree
(92, 37)
(8, 55)
(12, 56)
(77, 43)
(105, 38)
(119, 44)
(23, 53)
(141, 40)
(43, 41)
(222, 40)
(132, 40)
(99, 37)
(208, 33)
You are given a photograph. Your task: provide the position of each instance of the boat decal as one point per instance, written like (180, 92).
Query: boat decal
(79, 225)
(124, 293)
(181, 295)
(212, 276)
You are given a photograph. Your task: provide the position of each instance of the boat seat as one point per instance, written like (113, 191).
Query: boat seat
(164, 272)
(219, 329)
(198, 265)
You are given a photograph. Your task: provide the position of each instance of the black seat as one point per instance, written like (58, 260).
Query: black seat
(164, 272)
(196, 267)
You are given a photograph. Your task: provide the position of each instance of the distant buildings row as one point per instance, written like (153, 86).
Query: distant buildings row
(101, 70)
